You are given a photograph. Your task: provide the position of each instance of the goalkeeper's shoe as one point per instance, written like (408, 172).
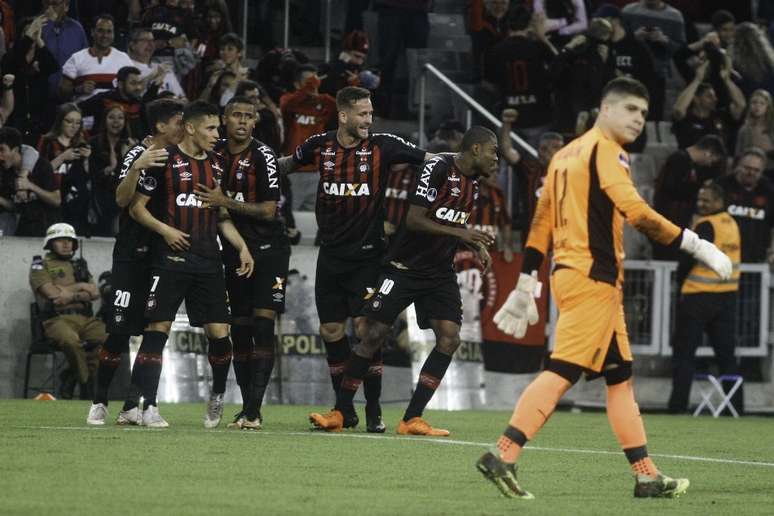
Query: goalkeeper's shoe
(660, 487)
(333, 421)
(214, 411)
(418, 426)
(97, 414)
(502, 475)
(133, 416)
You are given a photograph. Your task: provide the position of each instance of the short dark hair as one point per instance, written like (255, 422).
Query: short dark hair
(703, 88)
(238, 99)
(125, 71)
(104, 16)
(300, 69)
(160, 111)
(136, 32)
(721, 17)
(11, 137)
(347, 96)
(518, 17)
(476, 135)
(712, 143)
(717, 191)
(245, 86)
(199, 109)
(232, 39)
(626, 86)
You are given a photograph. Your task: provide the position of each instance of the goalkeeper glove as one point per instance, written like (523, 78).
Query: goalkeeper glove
(707, 253)
(519, 310)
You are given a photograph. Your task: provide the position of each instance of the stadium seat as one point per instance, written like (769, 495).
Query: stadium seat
(714, 388)
(40, 346)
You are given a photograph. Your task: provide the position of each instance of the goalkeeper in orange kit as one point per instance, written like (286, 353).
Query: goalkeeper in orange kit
(587, 195)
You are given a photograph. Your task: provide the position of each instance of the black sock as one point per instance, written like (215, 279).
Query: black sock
(219, 356)
(354, 372)
(147, 369)
(109, 360)
(429, 379)
(338, 353)
(372, 385)
(263, 333)
(243, 351)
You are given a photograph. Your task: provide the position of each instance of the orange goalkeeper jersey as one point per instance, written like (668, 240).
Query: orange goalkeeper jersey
(587, 195)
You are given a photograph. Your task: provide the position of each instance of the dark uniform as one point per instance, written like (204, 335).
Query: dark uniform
(130, 273)
(195, 275)
(753, 211)
(68, 326)
(490, 212)
(349, 208)
(419, 266)
(396, 195)
(707, 303)
(252, 176)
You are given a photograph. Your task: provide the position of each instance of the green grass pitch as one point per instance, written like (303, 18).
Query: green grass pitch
(52, 463)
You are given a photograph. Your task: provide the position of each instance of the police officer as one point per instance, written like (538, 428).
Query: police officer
(707, 303)
(64, 290)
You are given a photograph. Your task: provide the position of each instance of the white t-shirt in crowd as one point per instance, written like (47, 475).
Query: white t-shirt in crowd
(85, 66)
(170, 82)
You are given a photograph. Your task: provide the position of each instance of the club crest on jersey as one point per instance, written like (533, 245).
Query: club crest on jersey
(188, 199)
(451, 215)
(347, 189)
(623, 160)
(363, 168)
(149, 183)
(239, 176)
(432, 194)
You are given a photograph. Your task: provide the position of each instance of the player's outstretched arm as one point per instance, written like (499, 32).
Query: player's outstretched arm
(287, 165)
(417, 220)
(215, 198)
(175, 239)
(126, 188)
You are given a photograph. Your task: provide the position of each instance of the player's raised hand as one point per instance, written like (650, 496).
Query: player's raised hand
(176, 239)
(247, 264)
(211, 197)
(476, 237)
(519, 310)
(707, 253)
(151, 158)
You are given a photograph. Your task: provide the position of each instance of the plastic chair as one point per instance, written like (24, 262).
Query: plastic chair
(715, 388)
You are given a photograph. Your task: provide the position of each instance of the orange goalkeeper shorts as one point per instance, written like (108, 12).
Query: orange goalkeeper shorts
(590, 312)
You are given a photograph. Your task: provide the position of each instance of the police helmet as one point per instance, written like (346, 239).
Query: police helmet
(60, 230)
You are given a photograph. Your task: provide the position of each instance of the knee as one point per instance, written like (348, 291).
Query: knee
(372, 336)
(566, 370)
(448, 344)
(619, 374)
(216, 330)
(332, 331)
(160, 326)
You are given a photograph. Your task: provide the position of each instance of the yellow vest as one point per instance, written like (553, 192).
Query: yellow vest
(701, 279)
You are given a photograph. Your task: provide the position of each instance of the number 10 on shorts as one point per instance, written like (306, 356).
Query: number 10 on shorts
(386, 287)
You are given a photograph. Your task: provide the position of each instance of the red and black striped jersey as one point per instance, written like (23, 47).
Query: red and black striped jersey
(133, 239)
(490, 211)
(449, 196)
(350, 194)
(396, 194)
(50, 148)
(251, 176)
(174, 203)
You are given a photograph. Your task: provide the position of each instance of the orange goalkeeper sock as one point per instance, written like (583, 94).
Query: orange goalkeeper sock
(533, 409)
(626, 422)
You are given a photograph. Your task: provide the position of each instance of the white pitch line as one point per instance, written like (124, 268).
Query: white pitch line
(410, 439)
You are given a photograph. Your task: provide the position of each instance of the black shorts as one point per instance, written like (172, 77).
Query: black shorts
(265, 289)
(341, 287)
(204, 294)
(435, 298)
(129, 291)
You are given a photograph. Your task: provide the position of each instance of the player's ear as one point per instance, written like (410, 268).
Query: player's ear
(342, 117)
